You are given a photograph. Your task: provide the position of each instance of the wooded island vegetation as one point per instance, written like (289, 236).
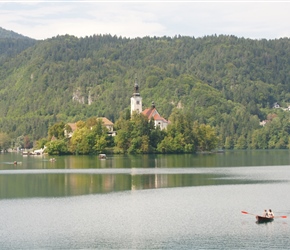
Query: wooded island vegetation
(217, 92)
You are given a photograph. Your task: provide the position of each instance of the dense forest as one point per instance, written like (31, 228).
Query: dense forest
(12, 44)
(226, 82)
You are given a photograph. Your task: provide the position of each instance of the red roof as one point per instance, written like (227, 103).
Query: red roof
(106, 121)
(153, 113)
(73, 126)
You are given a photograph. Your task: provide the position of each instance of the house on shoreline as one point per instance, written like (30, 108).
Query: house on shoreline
(106, 122)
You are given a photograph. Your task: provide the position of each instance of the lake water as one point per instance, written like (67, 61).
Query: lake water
(145, 202)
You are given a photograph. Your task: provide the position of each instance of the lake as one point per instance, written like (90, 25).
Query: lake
(145, 201)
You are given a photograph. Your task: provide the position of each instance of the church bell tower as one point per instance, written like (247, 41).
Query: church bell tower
(136, 99)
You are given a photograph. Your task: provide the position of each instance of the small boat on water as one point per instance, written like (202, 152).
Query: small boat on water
(262, 219)
(102, 156)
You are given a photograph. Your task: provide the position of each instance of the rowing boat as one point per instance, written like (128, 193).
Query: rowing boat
(262, 219)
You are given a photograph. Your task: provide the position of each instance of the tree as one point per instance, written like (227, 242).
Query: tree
(206, 137)
(229, 143)
(27, 143)
(5, 142)
(92, 121)
(100, 144)
(57, 147)
(172, 144)
(241, 143)
(123, 137)
(57, 130)
(41, 143)
(82, 141)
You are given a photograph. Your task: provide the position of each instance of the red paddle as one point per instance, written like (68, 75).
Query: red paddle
(283, 216)
(244, 212)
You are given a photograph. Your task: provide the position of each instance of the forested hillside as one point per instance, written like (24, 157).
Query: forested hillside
(11, 34)
(227, 82)
(12, 44)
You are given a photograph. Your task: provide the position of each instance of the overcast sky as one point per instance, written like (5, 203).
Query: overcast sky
(46, 19)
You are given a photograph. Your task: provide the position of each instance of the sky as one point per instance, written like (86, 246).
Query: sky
(48, 18)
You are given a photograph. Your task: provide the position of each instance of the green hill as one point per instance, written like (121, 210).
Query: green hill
(228, 82)
(10, 34)
(12, 44)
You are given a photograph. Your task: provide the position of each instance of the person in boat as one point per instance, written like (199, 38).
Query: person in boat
(270, 214)
(265, 214)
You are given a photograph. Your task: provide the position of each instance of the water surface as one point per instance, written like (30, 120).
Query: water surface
(144, 202)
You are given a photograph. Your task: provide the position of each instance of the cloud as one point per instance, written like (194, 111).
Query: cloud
(43, 20)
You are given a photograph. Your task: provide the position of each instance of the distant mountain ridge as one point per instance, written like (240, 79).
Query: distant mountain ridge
(10, 34)
(12, 43)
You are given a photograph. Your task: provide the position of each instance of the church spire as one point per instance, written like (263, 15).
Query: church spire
(136, 88)
(136, 99)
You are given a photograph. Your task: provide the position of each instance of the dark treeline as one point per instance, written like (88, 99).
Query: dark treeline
(228, 83)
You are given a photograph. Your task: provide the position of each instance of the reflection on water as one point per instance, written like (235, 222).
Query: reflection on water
(56, 185)
(81, 175)
(144, 202)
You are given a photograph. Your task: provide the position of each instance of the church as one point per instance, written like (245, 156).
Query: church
(136, 106)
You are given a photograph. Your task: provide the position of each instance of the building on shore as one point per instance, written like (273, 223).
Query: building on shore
(151, 113)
